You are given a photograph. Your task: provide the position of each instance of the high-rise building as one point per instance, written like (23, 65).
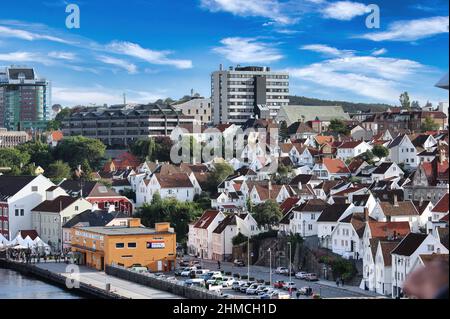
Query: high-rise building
(24, 99)
(241, 93)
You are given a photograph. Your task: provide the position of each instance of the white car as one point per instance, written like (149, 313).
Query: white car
(227, 282)
(281, 270)
(301, 275)
(277, 294)
(252, 289)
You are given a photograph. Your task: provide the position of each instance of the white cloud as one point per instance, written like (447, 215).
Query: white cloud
(410, 30)
(248, 50)
(67, 56)
(24, 57)
(327, 50)
(29, 36)
(150, 56)
(271, 9)
(379, 52)
(344, 10)
(377, 78)
(72, 96)
(130, 67)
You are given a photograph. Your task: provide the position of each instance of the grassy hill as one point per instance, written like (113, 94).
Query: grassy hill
(348, 106)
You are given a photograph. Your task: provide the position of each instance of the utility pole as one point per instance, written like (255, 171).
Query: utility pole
(270, 266)
(248, 258)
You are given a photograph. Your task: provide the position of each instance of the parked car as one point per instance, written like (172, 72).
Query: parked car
(261, 288)
(252, 289)
(279, 284)
(227, 282)
(244, 286)
(183, 263)
(312, 277)
(215, 280)
(277, 294)
(290, 286)
(281, 270)
(305, 291)
(236, 285)
(265, 291)
(239, 263)
(187, 271)
(139, 269)
(301, 275)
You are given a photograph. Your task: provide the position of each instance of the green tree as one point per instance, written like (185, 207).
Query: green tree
(40, 153)
(267, 213)
(338, 126)
(405, 102)
(203, 200)
(58, 171)
(380, 151)
(78, 150)
(14, 159)
(429, 125)
(178, 214)
(220, 172)
(415, 104)
(284, 133)
(55, 125)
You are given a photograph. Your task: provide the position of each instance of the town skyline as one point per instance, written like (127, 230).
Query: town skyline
(324, 45)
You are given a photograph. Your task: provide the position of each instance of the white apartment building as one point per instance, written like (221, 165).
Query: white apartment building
(238, 92)
(198, 107)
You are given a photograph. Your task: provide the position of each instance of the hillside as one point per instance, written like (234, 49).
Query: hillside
(348, 106)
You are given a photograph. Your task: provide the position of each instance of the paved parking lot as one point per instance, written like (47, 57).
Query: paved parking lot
(326, 289)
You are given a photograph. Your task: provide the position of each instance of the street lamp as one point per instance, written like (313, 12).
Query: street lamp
(248, 258)
(290, 262)
(270, 266)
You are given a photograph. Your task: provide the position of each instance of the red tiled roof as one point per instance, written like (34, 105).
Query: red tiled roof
(57, 136)
(335, 166)
(288, 204)
(320, 139)
(406, 208)
(442, 205)
(444, 219)
(206, 219)
(350, 144)
(174, 180)
(387, 229)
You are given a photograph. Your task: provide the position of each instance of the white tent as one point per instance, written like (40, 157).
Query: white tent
(3, 241)
(17, 241)
(28, 242)
(20, 247)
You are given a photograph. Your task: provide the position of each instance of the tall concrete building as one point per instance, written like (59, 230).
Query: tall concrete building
(24, 99)
(241, 93)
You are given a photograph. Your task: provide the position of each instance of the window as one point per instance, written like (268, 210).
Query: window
(131, 245)
(76, 208)
(430, 247)
(34, 188)
(120, 245)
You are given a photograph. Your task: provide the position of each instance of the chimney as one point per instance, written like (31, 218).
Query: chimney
(395, 200)
(421, 201)
(221, 67)
(366, 214)
(95, 207)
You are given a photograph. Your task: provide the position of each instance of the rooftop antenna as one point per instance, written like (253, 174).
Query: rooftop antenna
(124, 99)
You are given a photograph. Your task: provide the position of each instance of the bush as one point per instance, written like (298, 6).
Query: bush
(268, 234)
(252, 279)
(244, 277)
(239, 239)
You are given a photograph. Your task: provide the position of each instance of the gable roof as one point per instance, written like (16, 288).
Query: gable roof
(180, 180)
(406, 208)
(55, 206)
(350, 144)
(409, 244)
(382, 168)
(98, 218)
(333, 212)
(429, 258)
(32, 233)
(301, 178)
(312, 205)
(443, 235)
(229, 220)
(386, 248)
(335, 166)
(358, 221)
(388, 229)
(206, 219)
(442, 205)
(10, 185)
(288, 204)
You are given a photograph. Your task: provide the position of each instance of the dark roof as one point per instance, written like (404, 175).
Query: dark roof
(312, 205)
(386, 249)
(442, 205)
(333, 212)
(10, 185)
(32, 233)
(443, 236)
(55, 206)
(409, 244)
(288, 204)
(206, 219)
(227, 221)
(360, 200)
(396, 141)
(382, 168)
(51, 189)
(302, 178)
(94, 218)
(90, 189)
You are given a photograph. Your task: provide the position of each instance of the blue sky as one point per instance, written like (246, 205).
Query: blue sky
(152, 49)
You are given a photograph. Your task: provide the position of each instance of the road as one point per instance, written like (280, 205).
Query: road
(119, 286)
(326, 289)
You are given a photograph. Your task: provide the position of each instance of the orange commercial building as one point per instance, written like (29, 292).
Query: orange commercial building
(126, 246)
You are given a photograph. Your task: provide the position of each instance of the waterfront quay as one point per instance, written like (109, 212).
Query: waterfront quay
(93, 283)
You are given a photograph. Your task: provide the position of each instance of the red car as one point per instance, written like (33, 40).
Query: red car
(279, 284)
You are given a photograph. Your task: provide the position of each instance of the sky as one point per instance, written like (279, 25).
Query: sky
(151, 49)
